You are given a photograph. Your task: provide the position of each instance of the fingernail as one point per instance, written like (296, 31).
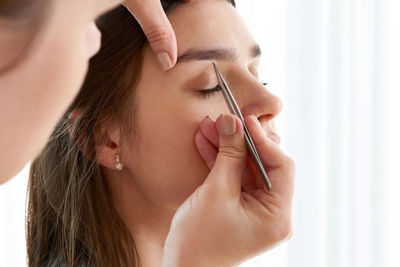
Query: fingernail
(226, 125)
(164, 61)
(208, 118)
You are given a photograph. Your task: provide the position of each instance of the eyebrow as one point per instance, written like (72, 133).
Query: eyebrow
(221, 54)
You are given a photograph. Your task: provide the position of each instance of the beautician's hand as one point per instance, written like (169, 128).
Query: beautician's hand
(232, 217)
(157, 28)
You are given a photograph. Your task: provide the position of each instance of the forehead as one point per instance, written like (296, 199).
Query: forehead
(209, 23)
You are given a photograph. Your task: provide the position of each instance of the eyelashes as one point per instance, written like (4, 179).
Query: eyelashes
(206, 93)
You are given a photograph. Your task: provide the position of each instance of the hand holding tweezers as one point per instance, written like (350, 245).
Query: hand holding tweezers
(230, 100)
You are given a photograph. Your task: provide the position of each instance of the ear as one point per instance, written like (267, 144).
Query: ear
(106, 141)
(107, 146)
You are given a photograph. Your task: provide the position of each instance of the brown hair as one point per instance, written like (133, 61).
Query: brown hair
(71, 219)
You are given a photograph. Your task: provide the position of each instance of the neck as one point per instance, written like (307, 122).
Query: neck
(147, 222)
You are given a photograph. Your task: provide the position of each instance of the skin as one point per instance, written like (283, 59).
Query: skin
(36, 91)
(45, 82)
(167, 162)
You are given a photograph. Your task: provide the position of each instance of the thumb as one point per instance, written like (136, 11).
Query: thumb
(157, 28)
(228, 169)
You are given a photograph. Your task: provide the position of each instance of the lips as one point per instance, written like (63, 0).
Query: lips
(275, 138)
(269, 129)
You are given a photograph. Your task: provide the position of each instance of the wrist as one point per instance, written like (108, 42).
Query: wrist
(175, 256)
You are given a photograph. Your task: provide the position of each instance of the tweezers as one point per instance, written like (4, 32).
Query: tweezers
(230, 100)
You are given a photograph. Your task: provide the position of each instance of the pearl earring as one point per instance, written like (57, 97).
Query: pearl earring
(118, 164)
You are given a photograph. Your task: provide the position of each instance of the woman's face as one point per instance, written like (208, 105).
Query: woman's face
(35, 92)
(163, 159)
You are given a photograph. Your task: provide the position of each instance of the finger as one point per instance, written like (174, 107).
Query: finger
(209, 130)
(207, 150)
(157, 28)
(280, 168)
(226, 175)
(270, 153)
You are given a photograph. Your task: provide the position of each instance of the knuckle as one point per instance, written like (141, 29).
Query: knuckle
(283, 232)
(286, 231)
(289, 162)
(157, 33)
(231, 152)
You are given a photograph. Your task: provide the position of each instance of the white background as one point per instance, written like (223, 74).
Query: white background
(336, 66)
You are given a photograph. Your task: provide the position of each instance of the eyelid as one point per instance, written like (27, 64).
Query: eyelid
(212, 87)
(209, 92)
(263, 82)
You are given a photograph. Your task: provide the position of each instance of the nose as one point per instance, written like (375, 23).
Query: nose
(255, 99)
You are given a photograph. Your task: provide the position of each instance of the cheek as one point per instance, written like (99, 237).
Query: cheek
(167, 165)
(55, 69)
(64, 66)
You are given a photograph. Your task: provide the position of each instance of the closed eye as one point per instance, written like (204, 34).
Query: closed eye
(209, 92)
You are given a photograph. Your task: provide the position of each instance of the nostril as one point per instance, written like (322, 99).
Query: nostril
(265, 117)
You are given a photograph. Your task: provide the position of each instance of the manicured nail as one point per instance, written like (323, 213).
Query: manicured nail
(208, 118)
(227, 125)
(164, 61)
